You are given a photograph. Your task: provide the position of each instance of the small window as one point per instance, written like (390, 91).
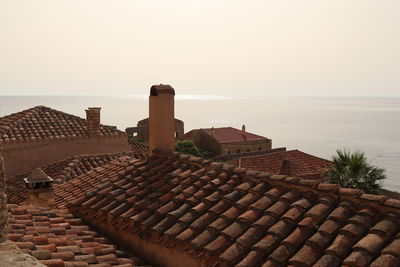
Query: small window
(228, 152)
(259, 148)
(238, 151)
(248, 150)
(176, 135)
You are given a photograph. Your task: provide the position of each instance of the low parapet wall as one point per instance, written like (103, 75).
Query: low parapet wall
(22, 157)
(230, 157)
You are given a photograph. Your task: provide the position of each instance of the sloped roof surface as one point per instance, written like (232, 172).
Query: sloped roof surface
(234, 217)
(41, 123)
(232, 135)
(293, 162)
(57, 238)
(80, 185)
(139, 149)
(61, 171)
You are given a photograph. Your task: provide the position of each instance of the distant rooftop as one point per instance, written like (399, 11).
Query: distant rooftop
(40, 123)
(293, 162)
(232, 135)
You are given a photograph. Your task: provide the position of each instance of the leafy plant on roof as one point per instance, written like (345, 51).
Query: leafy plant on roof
(188, 147)
(353, 170)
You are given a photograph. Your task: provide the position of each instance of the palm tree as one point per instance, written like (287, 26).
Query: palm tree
(354, 171)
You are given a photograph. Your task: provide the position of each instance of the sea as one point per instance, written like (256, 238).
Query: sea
(318, 126)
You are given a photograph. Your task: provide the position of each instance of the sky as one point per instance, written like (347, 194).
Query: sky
(256, 48)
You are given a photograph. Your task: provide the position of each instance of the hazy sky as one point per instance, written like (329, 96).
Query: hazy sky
(224, 47)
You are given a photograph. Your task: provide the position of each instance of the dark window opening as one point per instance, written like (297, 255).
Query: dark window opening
(248, 150)
(238, 151)
(259, 148)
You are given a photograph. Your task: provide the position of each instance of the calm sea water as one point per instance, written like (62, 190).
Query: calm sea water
(317, 126)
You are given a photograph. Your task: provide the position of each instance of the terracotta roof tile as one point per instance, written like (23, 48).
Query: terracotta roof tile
(232, 135)
(293, 163)
(77, 245)
(140, 149)
(236, 219)
(43, 123)
(61, 172)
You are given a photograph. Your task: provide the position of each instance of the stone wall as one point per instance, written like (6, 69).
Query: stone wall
(230, 157)
(3, 199)
(204, 141)
(153, 252)
(11, 255)
(243, 147)
(25, 156)
(142, 130)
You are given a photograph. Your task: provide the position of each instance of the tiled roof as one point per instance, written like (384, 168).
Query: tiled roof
(140, 149)
(61, 171)
(293, 163)
(42, 123)
(235, 217)
(78, 186)
(232, 135)
(57, 238)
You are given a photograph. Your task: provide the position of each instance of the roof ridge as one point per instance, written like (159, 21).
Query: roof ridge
(356, 195)
(31, 125)
(282, 152)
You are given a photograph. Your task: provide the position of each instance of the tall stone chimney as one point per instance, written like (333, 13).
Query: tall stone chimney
(93, 121)
(39, 189)
(243, 128)
(3, 199)
(161, 118)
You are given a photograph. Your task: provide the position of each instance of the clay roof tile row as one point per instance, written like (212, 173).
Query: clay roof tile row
(293, 163)
(62, 171)
(56, 238)
(236, 218)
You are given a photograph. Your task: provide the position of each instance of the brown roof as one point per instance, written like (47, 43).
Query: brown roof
(41, 123)
(82, 184)
(232, 135)
(139, 149)
(293, 163)
(57, 238)
(235, 217)
(61, 171)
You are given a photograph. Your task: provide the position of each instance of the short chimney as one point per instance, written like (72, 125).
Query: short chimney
(93, 121)
(161, 118)
(243, 128)
(39, 189)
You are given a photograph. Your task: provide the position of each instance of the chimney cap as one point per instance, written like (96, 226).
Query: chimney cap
(36, 176)
(93, 109)
(155, 90)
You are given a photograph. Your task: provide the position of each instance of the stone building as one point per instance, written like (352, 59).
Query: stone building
(228, 140)
(41, 135)
(141, 131)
